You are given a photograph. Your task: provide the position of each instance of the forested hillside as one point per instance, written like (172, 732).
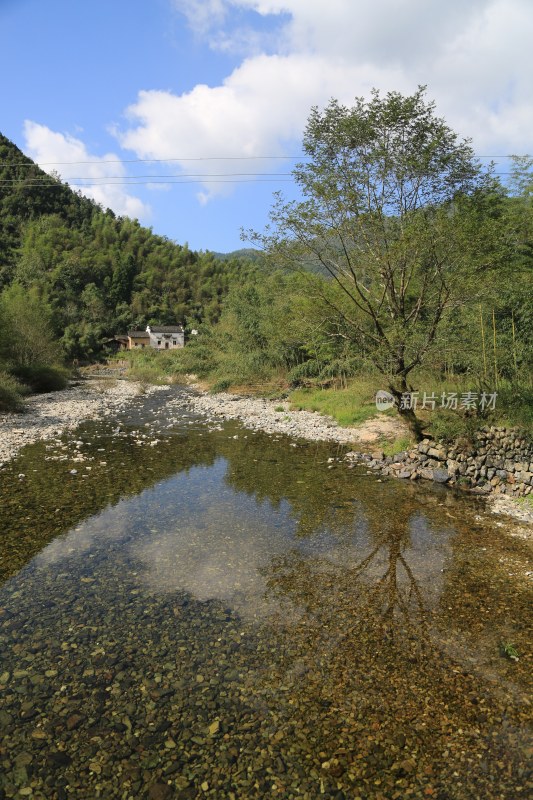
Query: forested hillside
(97, 274)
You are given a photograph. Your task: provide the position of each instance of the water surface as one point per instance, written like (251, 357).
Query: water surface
(226, 614)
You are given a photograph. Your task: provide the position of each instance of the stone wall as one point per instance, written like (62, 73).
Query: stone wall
(498, 460)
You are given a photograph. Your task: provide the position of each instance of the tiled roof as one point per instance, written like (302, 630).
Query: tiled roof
(138, 334)
(166, 329)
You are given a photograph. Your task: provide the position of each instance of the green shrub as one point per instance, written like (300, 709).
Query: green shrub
(221, 385)
(145, 374)
(397, 446)
(11, 393)
(198, 357)
(42, 378)
(303, 372)
(514, 405)
(450, 425)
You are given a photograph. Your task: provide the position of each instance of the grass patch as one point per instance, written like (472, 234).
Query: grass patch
(526, 501)
(167, 366)
(150, 367)
(350, 406)
(397, 446)
(451, 425)
(221, 385)
(513, 406)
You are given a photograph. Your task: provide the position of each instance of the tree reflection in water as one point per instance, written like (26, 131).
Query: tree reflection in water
(375, 596)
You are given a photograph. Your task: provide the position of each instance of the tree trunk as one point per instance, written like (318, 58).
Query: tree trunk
(415, 424)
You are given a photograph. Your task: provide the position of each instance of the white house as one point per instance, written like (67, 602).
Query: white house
(166, 337)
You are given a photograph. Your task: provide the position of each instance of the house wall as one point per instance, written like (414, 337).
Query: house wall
(159, 340)
(138, 342)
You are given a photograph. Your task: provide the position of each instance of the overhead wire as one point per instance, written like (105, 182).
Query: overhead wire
(165, 179)
(195, 158)
(199, 175)
(88, 184)
(151, 160)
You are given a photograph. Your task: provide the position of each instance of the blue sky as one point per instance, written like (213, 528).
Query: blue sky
(210, 93)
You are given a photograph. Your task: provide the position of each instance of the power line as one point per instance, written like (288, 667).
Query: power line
(148, 160)
(160, 180)
(199, 175)
(87, 185)
(198, 158)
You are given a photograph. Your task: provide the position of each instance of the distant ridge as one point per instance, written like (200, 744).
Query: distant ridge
(244, 252)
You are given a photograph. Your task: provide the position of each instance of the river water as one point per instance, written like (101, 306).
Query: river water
(202, 611)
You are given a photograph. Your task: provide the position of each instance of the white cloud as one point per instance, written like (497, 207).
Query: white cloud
(475, 57)
(259, 110)
(482, 78)
(202, 15)
(392, 31)
(51, 150)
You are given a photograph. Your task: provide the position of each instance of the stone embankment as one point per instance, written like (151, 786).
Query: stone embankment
(499, 460)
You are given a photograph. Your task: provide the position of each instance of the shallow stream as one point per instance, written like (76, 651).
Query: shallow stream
(195, 610)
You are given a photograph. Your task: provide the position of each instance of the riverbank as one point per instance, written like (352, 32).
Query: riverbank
(276, 417)
(49, 416)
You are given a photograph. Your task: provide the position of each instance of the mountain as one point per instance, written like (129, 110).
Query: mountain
(249, 253)
(100, 273)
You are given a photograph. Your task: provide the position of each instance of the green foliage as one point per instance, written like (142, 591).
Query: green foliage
(11, 393)
(172, 365)
(304, 372)
(509, 651)
(221, 385)
(26, 326)
(42, 378)
(28, 352)
(521, 178)
(397, 446)
(145, 374)
(450, 425)
(515, 405)
(258, 334)
(198, 358)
